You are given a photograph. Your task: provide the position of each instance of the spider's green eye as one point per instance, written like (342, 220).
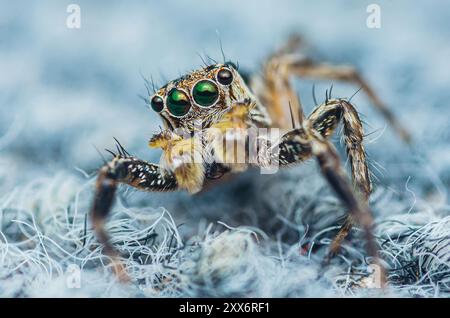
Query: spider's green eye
(178, 103)
(205, 93)
(157, 103)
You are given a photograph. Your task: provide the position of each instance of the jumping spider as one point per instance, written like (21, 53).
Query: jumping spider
(215, 99)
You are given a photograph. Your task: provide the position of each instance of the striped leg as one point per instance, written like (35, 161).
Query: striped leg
(303, 143)
(359, 211)
(324, 119)
(134, 172)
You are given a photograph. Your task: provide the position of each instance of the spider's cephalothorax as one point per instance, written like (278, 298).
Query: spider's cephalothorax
(201, 108)
(213, 100)
(201, 97)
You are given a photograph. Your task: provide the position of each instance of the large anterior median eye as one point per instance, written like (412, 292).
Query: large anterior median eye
(205, 93)
(178, 103)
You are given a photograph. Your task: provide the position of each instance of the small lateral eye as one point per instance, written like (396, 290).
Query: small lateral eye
(205, 93)
(157, 103)
(178, 103)
(224, 76)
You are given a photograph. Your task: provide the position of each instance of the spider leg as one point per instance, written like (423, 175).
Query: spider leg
(333, 171)
(324, 119)
(127, 170)
(274, 89)
(303, 67)
(305, 142)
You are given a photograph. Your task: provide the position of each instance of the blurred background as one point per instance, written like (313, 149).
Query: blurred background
(65, 91)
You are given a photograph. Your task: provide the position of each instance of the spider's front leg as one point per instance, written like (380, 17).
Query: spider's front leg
(126, 170)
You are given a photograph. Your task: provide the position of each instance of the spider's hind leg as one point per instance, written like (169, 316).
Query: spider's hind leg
(127, 170)
(275, 90)
(306, 68)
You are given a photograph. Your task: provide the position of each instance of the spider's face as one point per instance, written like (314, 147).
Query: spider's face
(200, 98)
